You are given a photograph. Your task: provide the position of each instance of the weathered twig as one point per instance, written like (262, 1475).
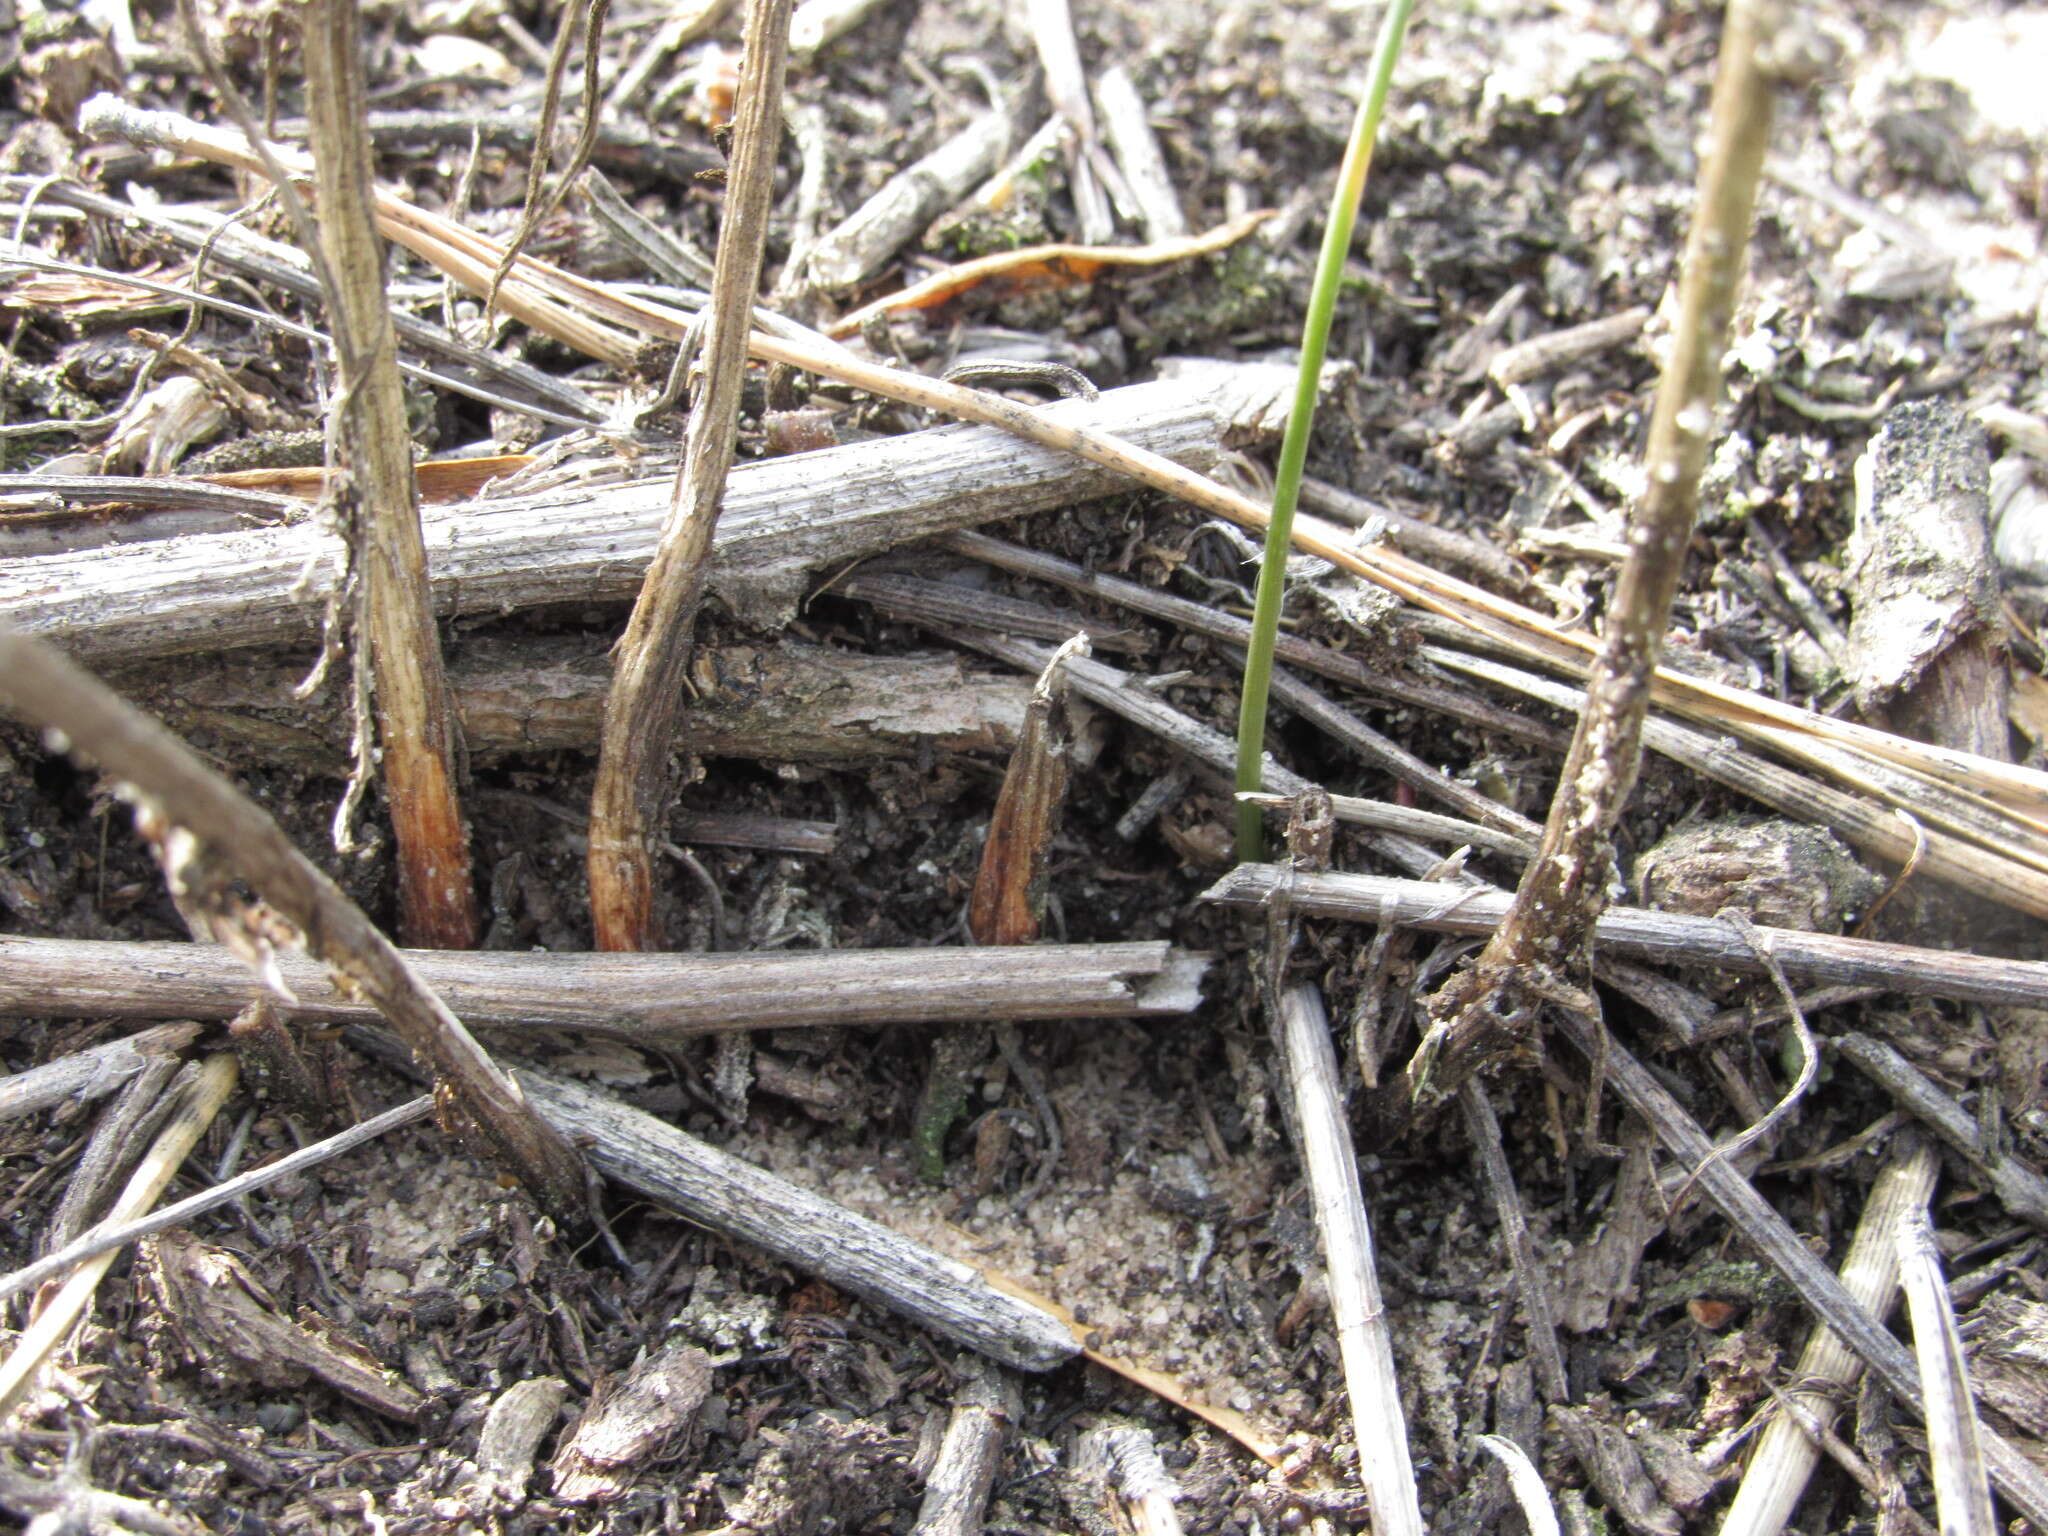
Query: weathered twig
(985, 1405)
(436, 894)
(110, 1235)
(1789, 1447)
(1962, 1492)
(782, 520)
(209, 1089)
(93, 1073)
(211, 828)
(1641, 934)
(729, 1196)
(655, 1000)
(632, 767)
(1363, 1339)
(1542, 943)
(1539, 1317)
(2020, 1189)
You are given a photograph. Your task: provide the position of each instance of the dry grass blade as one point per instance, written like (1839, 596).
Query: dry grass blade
(437, 897)
(632, 775)
(1526, 1483)
(1962, 1492)
(208, 1090)
(1363, 1339)
(208, 833)
(1787, 1452)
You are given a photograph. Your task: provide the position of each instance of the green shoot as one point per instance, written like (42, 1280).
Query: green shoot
(1315, 337)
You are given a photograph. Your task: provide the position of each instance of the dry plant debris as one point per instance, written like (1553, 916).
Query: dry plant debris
(1575, 1294)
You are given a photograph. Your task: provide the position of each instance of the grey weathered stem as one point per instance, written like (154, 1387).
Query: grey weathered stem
(436, 895)
(1546, 932)
(735, 1198)
(1962, 1491)
(91, 1074)
(2021, 1190)
(985, 1405)
(1645, 935)
(170, 778)
(1786, 1453)
(632, 785)
(1364, 1341)
(654, 1000)
(783, 519)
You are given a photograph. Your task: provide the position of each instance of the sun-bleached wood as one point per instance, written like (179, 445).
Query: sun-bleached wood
(783, 520)
(649, 998)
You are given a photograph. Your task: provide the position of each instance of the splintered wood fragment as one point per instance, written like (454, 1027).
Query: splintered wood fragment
(642, 1416)
(1121, 1456)
(779, 701)
(1926, 643)
(1789, 1448)
(1771, 1235)
(1128, 128)
(871, 236)
(507, 1445)
(1615, 1469)
(956, 1490)
(782, 519)
(208, 834)
(859, 1256)
(208, 1090)
(1646, 935)
(2021, 1190)
(110, 1234)
(226, 1321)
(1363, 1340)
(1962, 1491)
(110, 1152)
(92, 1073)
(1553, 350)
(649, 999)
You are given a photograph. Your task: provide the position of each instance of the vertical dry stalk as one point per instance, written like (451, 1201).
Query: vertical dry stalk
(639, 719)
(437, 900)
(210, 832)
(1541, 947)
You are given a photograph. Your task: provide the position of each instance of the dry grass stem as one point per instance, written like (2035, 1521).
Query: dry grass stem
(1962, 1491)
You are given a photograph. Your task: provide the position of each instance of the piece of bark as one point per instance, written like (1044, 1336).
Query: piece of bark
(783, 519)
(1616, 1471)
(644, 1416)
(1600, 1275)
(1927, 648)
(781, 701)
(227, 1323)
(92, 1073)
(513, 1427)
(644, 998)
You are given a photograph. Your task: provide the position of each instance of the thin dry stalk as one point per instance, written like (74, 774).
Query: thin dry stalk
(632, 768)
(1539, 1317)
(1544, 943)
(1789, 1447)
(436, 896)
(1363, 1340)
(209, 1090)
(214, 832)
(111, 1235)
(1962, 1491)
(985, 1405)
(1526, 1483)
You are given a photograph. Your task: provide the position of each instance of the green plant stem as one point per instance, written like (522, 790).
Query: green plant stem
(1315, 337)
